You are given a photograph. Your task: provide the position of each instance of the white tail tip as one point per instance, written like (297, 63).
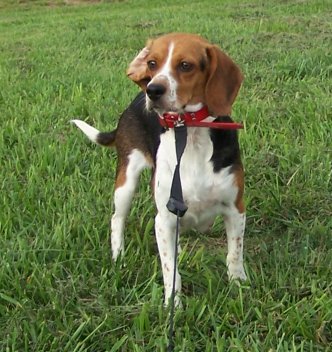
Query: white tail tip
(89, 131)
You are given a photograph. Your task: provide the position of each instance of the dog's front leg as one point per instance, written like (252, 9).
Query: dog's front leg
(165, 222)
(235, 225)
(165, 227)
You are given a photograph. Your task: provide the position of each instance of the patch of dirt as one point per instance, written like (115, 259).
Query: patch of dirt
(80, 2)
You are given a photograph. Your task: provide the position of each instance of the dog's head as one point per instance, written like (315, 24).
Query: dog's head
(180, 72)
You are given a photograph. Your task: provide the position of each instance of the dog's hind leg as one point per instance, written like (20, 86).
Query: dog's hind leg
(129, 169)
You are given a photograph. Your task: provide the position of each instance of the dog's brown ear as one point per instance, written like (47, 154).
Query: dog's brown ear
(138, 69)
(223, 82)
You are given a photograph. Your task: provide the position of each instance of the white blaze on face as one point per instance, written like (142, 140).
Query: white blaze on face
(165, 77)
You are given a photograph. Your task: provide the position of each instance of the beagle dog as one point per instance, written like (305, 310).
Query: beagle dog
(180, 74)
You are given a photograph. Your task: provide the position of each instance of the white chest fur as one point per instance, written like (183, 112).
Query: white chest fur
(206, 193)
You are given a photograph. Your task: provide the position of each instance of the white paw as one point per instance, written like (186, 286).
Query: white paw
(236, 272)
(117, 253)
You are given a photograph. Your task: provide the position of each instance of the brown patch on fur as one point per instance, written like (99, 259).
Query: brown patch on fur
(238, 242)
(149, 158)
(224, 82)
(239, 181)
(121, 171)
(138, 70)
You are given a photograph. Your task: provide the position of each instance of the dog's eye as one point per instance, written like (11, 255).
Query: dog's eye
(186, 66)
(152, 65)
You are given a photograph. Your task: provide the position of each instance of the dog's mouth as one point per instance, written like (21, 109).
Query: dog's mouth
(172, 112)
(161, 110)
(175, 106)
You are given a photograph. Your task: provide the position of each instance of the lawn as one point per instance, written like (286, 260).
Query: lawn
(59, 290)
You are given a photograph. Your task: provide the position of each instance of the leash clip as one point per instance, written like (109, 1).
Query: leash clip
(177, 207)
(179, 122)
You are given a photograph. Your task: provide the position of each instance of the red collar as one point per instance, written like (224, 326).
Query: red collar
(194, 119)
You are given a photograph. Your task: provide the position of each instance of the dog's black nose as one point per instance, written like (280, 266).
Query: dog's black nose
(155, 91)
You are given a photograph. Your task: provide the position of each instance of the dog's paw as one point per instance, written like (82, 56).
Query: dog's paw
(236, 272)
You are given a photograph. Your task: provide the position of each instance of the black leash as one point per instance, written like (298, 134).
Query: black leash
(176, 203)
(176, 206)
(170, 347)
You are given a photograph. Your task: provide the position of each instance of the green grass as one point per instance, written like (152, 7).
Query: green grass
(59, 290)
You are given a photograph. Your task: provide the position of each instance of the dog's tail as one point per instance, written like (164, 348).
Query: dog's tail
(106, 139)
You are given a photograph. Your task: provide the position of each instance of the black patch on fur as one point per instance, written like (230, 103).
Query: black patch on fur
(106, 138)
(139, 128)
(226, 150)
